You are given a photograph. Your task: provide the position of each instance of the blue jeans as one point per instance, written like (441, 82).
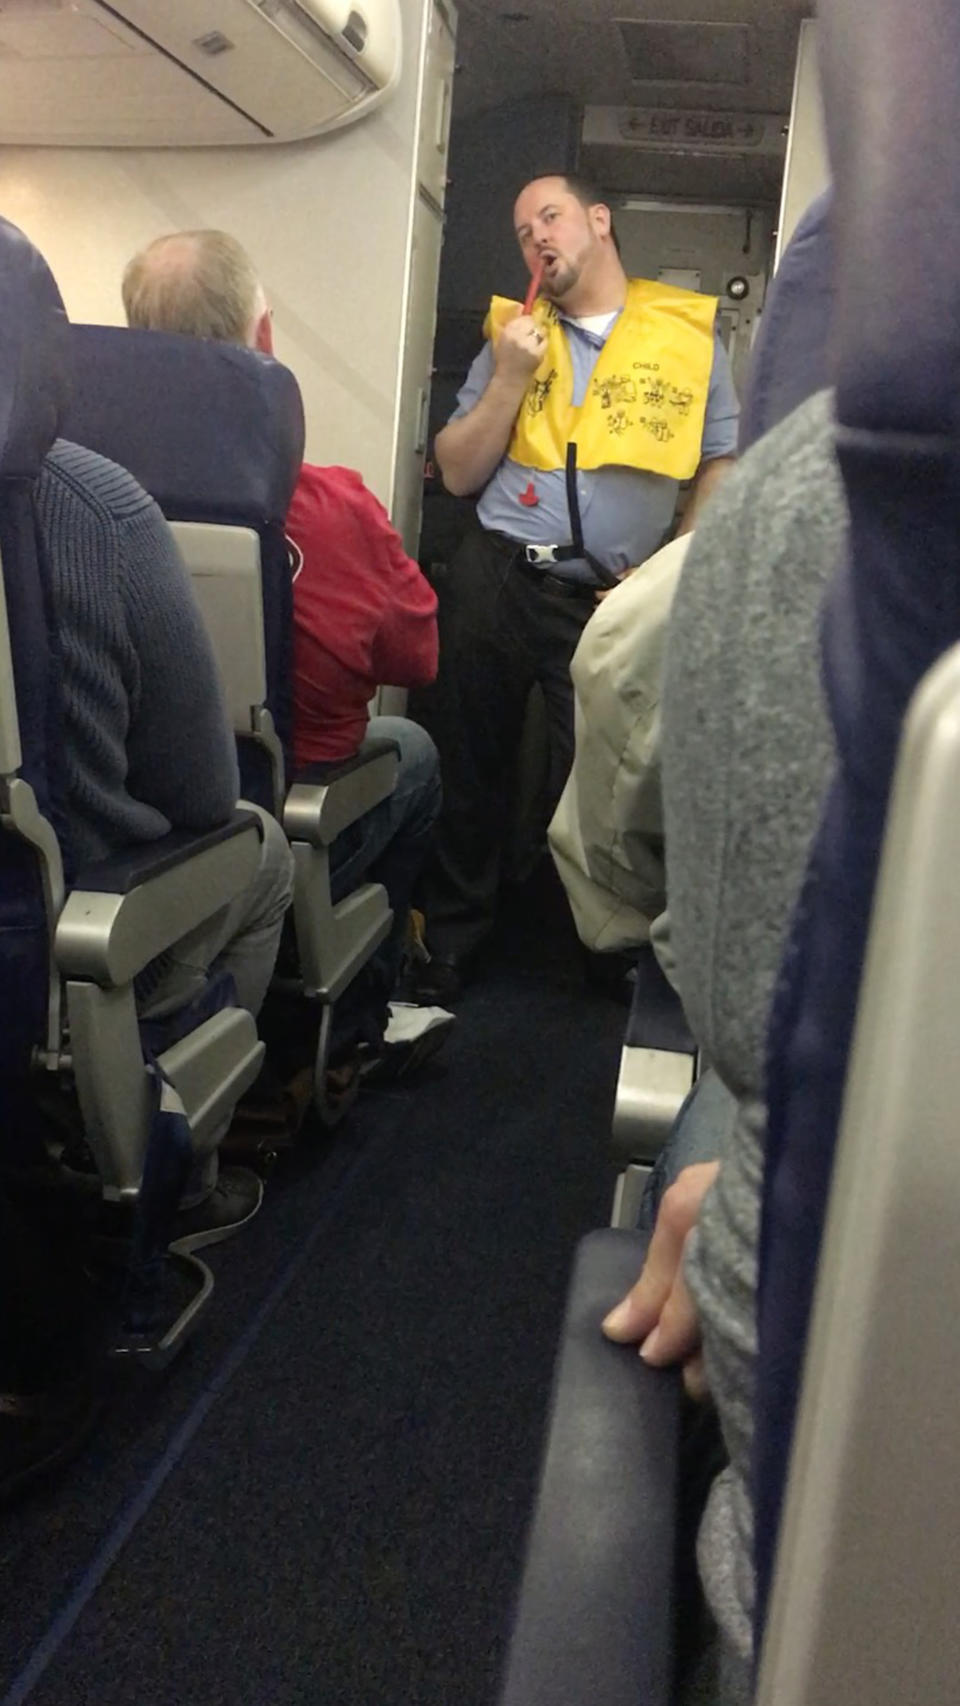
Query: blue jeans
(699, 1133)
(389, 844)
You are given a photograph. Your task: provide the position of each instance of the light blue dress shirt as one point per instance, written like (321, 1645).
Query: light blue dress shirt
(625, 512)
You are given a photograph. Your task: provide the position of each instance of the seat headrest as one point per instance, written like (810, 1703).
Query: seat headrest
(35, 363)
(896, 168)
(213, 432)
(789, 361)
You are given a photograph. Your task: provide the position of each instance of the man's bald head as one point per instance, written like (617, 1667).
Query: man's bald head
(201, 283)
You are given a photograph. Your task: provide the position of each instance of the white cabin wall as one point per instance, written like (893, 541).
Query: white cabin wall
(326, 222)
(806, 171)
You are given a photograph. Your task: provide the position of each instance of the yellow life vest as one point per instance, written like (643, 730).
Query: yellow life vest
(646, 400)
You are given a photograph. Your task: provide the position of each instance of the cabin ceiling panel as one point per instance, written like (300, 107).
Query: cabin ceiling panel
(512, 49)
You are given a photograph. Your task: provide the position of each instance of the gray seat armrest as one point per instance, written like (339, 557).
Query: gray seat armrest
(327, 798)
(594, 1617)
(658, 1065)
(137, 905)
(125, 871)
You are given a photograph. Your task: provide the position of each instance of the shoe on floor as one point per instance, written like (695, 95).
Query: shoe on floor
(267, 1120)
(235, 1199)
(412, 1036)
(437, 979)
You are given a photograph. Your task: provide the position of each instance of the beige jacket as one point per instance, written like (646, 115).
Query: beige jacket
(607, 832)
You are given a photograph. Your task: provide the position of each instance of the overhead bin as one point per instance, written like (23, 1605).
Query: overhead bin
(175, 73)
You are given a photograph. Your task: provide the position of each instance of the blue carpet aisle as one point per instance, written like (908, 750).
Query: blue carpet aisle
(339, 1472)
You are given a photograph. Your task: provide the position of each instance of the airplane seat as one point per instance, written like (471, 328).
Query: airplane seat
(593, 1616)
(658, 1062)
(788, 362)
(869, 974)
(220, 447)
(34, 389)
(72, 943)
(215, 434)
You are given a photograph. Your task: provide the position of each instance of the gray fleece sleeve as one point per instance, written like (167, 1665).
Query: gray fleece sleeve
(746, 753)
(180, 748)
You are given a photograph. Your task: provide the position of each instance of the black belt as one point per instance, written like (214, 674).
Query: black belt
(555, 583)
(531, 560)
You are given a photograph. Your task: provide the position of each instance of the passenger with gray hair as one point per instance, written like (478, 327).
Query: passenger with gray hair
(200, 283)
(363, 613)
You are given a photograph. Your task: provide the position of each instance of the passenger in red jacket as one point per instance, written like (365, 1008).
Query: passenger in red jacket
(364, 615)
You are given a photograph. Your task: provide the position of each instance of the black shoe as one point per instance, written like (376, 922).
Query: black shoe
(41, 1431)
(235, 1199)
(435, 982)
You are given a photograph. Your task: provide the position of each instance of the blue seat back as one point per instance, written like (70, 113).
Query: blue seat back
(34, 386)
(894, 608)
(789, 359)
(214, 433)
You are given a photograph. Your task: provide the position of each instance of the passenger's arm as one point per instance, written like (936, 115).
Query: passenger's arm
(180, 749)
(718, 447)
(658, 1313)
(471, 445)
(708, 477)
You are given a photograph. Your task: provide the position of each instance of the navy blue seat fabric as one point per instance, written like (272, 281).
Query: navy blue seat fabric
(891, 74)
(657, 1019)
(214, 433)
(34, 390)
(789, 359)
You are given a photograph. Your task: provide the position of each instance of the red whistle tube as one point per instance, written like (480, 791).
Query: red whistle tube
(533, 287)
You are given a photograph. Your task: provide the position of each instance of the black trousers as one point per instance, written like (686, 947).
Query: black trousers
(501, 630)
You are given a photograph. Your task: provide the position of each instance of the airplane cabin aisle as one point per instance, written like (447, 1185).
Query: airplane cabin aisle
(326, 1498)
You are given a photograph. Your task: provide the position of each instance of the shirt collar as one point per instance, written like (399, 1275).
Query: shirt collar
(584, 331)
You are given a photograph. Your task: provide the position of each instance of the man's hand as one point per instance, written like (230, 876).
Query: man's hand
(659, 1313)
(603, 592)
(520, 348)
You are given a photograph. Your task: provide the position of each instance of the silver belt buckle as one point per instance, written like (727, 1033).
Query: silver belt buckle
(540, 555)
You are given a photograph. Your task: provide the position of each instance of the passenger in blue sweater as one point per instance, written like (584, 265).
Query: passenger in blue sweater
(147, 741)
